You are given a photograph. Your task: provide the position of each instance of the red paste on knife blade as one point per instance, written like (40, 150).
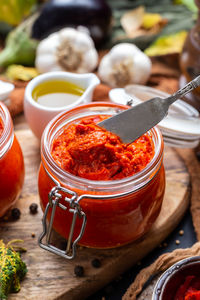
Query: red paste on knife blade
(87, 150)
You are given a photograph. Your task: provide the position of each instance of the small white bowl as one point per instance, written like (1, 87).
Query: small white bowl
(5, 90)
(37, 115)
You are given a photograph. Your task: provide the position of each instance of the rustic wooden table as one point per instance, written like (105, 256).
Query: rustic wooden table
(117, 288)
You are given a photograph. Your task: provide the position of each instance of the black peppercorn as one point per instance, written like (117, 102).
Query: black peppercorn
(96, 263)
(15, 213)
(33, 208)
(79, 271)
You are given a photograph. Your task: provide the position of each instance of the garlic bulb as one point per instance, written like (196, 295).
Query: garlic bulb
(66, 50)
(124, 64)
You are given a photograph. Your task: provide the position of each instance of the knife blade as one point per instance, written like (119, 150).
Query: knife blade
(133, 122)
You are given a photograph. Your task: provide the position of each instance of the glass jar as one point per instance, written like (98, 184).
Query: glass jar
(118, 211)
(11, 163)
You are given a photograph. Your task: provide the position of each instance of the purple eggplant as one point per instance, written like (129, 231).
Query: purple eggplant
(96, 15)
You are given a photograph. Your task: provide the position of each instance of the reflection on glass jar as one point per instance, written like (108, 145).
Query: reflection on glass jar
(118, 211)
(11, 163)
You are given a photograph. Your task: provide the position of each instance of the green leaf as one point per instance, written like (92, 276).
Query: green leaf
(19, 48)
(190, 4)
(13, 11)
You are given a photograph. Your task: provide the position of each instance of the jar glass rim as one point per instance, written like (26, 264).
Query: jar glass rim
(7, 133)
(138, 179)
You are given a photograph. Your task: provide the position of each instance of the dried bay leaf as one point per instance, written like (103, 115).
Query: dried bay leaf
(178, 16)
(168, 44)
(19, 72)
(131, 21)
(151, 20)
(138, 22)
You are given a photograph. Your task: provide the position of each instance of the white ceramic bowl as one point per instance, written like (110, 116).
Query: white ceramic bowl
(5, 90)
(37, 115)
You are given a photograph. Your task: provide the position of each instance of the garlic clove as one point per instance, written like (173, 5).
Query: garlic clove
(122, 51)
(67, 34)
(105, 69)
(83, 42)
(141, 68)
(90, 56)
(46, 63)
(45, 46)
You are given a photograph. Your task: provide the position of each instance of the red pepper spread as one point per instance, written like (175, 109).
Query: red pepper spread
(189, 290)
(1, 128)
(86, 150)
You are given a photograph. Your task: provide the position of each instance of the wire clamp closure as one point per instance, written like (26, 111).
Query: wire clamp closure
(56, 194)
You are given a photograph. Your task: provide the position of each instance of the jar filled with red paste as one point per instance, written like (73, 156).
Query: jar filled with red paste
(88, 174)
(11, 163)
(180, 282)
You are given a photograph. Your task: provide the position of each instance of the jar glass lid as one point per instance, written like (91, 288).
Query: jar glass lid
(180, 128)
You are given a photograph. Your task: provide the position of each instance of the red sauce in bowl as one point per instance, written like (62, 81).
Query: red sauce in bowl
(89, 151)
(180, 282)
(189, 290)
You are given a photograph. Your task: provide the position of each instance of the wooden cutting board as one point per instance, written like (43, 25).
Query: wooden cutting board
(51, 277)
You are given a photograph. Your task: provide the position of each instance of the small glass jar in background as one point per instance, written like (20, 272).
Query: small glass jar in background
(118, 211)
(11, 163)
(190, 61)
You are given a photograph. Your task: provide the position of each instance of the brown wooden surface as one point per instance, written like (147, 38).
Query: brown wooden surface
(52, 277)
(193, 165)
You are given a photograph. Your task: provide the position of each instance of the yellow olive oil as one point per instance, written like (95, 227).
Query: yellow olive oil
(56, 93)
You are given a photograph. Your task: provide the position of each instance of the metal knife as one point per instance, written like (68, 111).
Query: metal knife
(133, 122)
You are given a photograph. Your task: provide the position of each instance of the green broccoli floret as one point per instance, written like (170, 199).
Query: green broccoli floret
(12, 270)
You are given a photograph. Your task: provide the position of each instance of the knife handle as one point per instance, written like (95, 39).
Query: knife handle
(193, 84)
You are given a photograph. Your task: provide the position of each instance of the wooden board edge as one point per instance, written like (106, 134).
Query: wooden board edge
(120, 265)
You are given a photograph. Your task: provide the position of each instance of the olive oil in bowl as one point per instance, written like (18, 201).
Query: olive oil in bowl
(56, 93)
